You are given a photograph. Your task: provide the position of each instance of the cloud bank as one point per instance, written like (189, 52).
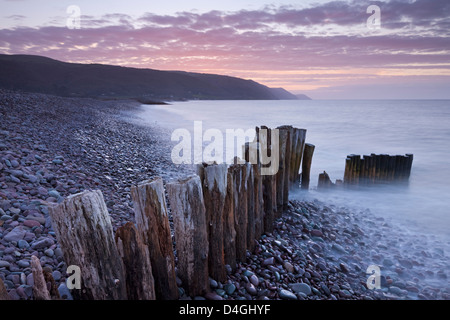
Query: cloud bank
(302, 49)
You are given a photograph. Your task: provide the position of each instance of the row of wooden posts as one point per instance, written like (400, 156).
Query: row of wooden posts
(377, 169)
(217, 216)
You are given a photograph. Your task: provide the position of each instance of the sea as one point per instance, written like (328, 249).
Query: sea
(338, 128)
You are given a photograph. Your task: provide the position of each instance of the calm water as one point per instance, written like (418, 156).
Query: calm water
(339, 128)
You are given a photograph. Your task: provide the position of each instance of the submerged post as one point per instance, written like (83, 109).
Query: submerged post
(377, 169)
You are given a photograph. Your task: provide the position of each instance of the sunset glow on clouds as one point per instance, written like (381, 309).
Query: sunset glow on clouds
(324, 50)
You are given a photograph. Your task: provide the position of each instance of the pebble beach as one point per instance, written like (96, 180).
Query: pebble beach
(51, 147)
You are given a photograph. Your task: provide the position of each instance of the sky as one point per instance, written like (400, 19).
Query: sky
(344, 49)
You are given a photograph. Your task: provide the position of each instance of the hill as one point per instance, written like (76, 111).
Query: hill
(302, 97)
(44, 75)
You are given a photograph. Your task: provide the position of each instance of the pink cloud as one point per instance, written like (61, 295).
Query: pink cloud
(250, 41)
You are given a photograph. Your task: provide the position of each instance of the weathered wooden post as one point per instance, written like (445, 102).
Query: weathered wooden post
(348, 163)
(385, 160)
(239, 172)
(391, 176)
(373, 168)
(214, 184)
(229, 232)
(294, 134)
(410, 157)
(286, 131)
(362, 165)
(404, 168)
(397, 174)
(259, 200)
(357, 168)
(281, 174)
(306, 165)
(378, 168)
(51, 285)
(85, 233)
(189, 219)
(136, 259)
(324, 181)
(3, 293)
(152, 222)
(40, 290)
(299, 154)
(251, 156)
(251, 220)
(269, 182)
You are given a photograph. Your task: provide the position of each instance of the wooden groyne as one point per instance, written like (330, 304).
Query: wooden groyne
(218, 214)
(377, 169)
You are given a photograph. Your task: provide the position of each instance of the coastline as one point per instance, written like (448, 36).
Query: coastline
(52, 147)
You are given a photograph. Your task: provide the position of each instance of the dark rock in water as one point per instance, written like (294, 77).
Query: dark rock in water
(344, 267)
(338, 248)
(316, 233)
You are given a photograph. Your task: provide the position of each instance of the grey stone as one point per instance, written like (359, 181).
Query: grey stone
(287, 295)
(23, 263)
(56, 275)
(16, 173)
(301, 287)
(229, 288)
(220, 292)
(64, 292)
(397, 291)
(325, 289)
(15, 234)
(288, 266)
(4, 264)
(54, 194)
(338, 248)
(251, 288)
(43, 243)
(213, 283)
(49, 252)
(14, 179)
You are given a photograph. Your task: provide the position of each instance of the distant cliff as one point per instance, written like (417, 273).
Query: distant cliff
(302, 97)
(44, 75)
